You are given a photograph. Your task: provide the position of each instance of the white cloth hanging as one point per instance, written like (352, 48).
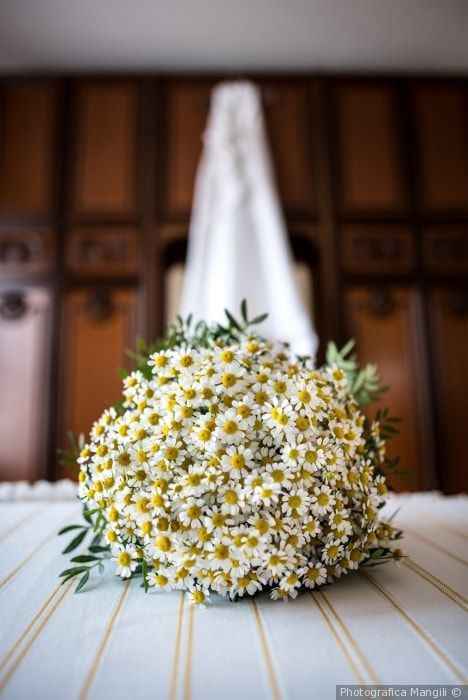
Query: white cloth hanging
(238, 245)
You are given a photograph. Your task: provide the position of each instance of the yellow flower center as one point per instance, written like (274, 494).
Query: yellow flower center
(230, 427)
(124, 558)
(230, 497)
(163, 543)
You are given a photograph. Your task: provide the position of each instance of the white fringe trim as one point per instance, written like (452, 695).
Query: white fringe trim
(62, 490)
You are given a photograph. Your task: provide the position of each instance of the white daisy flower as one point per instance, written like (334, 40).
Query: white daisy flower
(126, 561)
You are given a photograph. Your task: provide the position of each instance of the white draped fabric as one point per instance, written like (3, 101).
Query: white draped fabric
(402, 623)
(238, 247)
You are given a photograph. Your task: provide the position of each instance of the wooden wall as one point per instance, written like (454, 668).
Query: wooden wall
(96, 184)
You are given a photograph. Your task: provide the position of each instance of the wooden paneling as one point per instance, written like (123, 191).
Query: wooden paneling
(385, 324)
(449, 326)
(378, 249)
(103, 252)
(96, 188)
(25, 327)
(371, 178)
(105, 153)
(445, 249)
(99, 326)
(441, 117)
(28, 122)
(186, 110)
(26, 253)
(290, 120)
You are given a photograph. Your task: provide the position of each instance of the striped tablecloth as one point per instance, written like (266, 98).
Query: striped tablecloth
(403, 623)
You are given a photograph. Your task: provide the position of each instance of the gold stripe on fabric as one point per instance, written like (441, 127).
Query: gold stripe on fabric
(33, 638)
(25, 632)
(436, 545)
(104, 642)
(453, 530)
(188, 660)
(360, 679)
(418, 629)
(346, 631)
(176, 659)
(275, 690)
(443, 587)
(18, 568)
(21, 521)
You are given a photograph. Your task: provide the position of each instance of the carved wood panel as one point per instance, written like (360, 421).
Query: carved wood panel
(105, 154)
(28, 123)
(441, 113)
(449, 326)
(445, 249)
(103, 251)
(371, 177)
(99, 326)
(378, 249)
(385, 323)
(25, 334)
(26, 253)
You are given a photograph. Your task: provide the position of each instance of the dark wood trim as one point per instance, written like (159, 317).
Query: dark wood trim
(331, 284)
(431, 419)
(147, 158)
(449, 77)
(58, 285)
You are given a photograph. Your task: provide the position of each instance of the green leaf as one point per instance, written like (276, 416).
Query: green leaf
(75, 542)
(144, 571)
(232, 320)
(74, 571)
(346, 349)
(258, 319)
(82, 558)
(71, 527)
(87, 514)
(82, 582)
(244, 315)
(97, 549)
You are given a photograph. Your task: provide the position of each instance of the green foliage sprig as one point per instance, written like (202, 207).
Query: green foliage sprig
(187, 333)
(364, 382)
(96, 553)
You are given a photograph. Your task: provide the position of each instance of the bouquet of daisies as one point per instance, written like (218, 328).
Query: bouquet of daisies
(232, 466)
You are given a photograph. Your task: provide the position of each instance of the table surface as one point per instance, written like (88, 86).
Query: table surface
(402, 623)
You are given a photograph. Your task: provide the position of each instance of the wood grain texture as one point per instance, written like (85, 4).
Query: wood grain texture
(290, 117)
(370, 168)
(441, 116)
(99, 326)
(186, 111)
(384, 324)
(28, 124)
(449, 326)
(105, 149)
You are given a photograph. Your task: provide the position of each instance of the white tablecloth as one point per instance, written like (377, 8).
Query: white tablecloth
(402, 623)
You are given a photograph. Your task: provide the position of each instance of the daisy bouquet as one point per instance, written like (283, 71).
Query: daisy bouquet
(232, 466)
